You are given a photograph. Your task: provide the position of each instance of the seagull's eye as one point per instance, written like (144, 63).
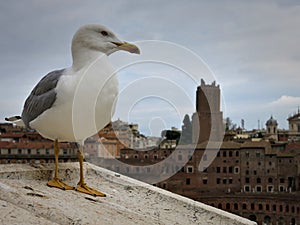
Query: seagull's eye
(104, 33)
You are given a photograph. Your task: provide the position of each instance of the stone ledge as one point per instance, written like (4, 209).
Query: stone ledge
(25, 199)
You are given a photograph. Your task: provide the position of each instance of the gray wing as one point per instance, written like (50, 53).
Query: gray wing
(41, 97)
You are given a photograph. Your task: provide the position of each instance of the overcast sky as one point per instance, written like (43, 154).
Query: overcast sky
(251, 47)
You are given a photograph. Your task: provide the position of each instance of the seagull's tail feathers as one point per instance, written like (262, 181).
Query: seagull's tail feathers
(16, 120)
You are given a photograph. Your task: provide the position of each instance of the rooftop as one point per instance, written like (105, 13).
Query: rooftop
(25, 199)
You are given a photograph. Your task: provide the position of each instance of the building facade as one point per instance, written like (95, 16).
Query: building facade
(251, 179)
(294, 127)
(19, 146)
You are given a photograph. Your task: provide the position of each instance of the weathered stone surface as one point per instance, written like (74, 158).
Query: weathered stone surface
(25, 199)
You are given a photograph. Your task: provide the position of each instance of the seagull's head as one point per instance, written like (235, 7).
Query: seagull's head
(100, 38)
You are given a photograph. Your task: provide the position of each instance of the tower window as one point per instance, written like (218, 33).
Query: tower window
(188, 181)
(258, 180)
(190, 169)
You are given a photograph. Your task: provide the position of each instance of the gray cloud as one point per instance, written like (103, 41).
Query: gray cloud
(252, 46)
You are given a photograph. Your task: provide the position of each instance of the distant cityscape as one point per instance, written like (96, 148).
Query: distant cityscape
(255, 174)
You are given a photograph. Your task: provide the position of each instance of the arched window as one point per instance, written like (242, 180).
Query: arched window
(258, 180)
(220, 205)
(244, 206)
(280, 208)
(227, 206)
(236, 206)
(270, 180)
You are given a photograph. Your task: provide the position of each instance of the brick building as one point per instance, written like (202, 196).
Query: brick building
(112, 138)
(20, 146)
(108, 142)
(250, 179)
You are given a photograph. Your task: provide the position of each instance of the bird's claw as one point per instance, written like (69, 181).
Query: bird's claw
(87, 190)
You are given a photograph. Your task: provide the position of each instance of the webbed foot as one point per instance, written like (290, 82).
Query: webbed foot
(87, 190)
(56, 182)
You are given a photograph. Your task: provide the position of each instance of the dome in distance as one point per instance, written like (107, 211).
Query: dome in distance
(272, 122)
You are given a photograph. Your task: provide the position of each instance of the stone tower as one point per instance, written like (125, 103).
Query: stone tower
(271, 126)
(208, 120)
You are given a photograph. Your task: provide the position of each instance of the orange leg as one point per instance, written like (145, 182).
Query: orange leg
(56, 182)
(81, 186)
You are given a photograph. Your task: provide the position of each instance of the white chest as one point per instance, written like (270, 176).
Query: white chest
(85, 103)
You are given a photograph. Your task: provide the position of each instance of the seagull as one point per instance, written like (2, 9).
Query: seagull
(59, 106)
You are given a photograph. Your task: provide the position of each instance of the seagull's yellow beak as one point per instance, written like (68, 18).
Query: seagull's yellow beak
(127, 47)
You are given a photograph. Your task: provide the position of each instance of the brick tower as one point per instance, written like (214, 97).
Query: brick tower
(208, 120)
